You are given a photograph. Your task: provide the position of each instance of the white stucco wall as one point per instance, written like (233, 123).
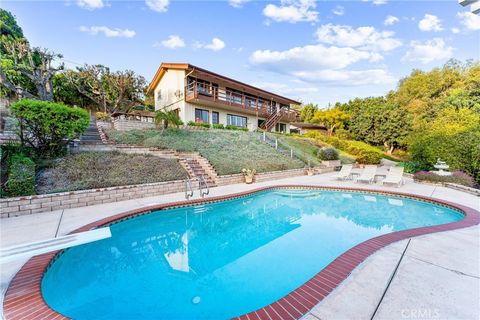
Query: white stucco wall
(166, 93)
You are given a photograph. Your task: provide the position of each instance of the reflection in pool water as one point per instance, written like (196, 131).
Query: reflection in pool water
(223, 259)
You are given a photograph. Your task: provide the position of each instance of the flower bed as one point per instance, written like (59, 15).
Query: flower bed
(457, 177)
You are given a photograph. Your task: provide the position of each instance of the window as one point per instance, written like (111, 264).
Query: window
(237, 121)
(214, 117)
(201, 116)
(202, 86)
(281, 127)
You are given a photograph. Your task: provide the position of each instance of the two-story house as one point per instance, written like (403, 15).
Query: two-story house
(203, 96)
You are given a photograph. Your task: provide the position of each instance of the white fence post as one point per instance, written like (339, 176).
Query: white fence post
(264, 136)
(276, 144)
(291, 153)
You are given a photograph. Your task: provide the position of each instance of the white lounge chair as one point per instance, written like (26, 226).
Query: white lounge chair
(394, 176)
(368, 174)
(344, 172)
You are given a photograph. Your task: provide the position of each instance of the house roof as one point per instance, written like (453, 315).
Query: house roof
(189, 67)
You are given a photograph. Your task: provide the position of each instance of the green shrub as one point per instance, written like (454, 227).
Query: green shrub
(48, 127)
(454, 137)
(328, 153)
(21, 176)
(412, 167)
(218, 126)
(102, 116)
(363, 152)
(232, 127)
(198, 124)
(369, 157)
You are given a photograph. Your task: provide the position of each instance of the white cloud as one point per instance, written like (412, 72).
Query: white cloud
(430, 23)
(108, 32)
(390, 20)
(469, 20)
(455, 30)
(173, 42)
(347, 77)
(90, 4)
(311, 57)
(376, 2)
(339, 10)
(428, 51)
(282, 88)
(364, 37)
(158, 5)
(216, 45)
(237, 3)
(292, 11)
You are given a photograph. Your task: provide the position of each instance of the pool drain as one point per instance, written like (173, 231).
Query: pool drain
(196, 300)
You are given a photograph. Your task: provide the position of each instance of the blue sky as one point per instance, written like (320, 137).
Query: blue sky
(314, 51)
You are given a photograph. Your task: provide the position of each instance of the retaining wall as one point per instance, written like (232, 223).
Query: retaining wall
(11, 207)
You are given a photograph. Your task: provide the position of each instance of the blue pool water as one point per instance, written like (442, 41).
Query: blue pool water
(219, 260)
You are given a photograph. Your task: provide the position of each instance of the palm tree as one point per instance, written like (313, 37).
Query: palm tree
(166, 118)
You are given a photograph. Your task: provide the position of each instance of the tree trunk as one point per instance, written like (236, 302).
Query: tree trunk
(389, 148)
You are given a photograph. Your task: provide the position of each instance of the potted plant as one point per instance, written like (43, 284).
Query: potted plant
(249, 175)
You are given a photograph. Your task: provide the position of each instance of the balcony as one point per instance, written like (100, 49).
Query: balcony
(215, 96)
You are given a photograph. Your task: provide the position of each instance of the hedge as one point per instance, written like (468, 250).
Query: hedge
(47, 127)
(364, 153)
(21, 176)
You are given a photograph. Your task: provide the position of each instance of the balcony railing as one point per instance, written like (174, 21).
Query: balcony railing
(207, 92)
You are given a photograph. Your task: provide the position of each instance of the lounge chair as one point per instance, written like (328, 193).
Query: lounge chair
(344, 172)
(368, 174)
(394, 176)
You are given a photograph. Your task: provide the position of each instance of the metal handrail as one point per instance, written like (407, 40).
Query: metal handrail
(201, 180)
(188, 188)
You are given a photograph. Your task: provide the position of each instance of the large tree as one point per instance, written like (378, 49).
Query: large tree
(307, 112)
(332, 119)
(25, 71)
(380, 122)
(110, 91)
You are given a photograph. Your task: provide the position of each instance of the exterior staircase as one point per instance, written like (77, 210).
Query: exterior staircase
(195, 170)
(91, 135)
(272, 120)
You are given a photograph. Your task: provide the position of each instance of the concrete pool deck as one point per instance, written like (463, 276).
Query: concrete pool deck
(438, 276)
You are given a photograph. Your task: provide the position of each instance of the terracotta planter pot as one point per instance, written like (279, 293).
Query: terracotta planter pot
(248, 179)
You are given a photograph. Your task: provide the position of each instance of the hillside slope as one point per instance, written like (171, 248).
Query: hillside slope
(228, 151)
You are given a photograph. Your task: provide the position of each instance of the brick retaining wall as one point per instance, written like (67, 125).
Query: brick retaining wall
(11, 207)
(124, 125)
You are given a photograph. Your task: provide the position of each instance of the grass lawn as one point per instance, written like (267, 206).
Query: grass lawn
(304, 148)
(90, 170)
(307, 148)
(229, 151)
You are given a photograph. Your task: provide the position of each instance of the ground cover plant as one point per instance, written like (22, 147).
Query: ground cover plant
(457, 177)
(229, 151)
(90, 170)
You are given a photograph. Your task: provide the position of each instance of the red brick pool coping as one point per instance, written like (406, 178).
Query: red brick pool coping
(24, 300)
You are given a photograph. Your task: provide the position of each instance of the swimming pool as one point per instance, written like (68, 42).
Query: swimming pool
(223, 259)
